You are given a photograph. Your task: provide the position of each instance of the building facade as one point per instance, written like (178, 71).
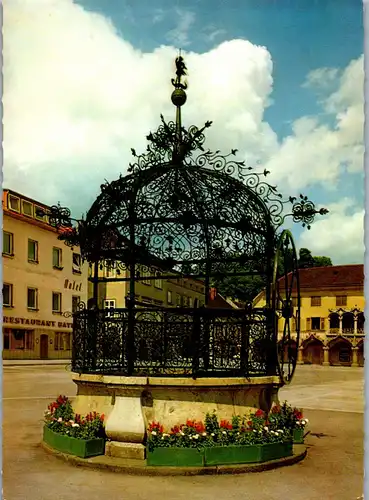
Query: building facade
(176, 292)
(43, 282)
(331, 315)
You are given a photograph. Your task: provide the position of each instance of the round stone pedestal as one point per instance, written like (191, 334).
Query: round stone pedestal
(130, 403)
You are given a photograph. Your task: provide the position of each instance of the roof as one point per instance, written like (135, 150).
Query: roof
(347, 276)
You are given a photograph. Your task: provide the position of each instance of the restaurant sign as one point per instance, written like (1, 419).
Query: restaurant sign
(36, 322)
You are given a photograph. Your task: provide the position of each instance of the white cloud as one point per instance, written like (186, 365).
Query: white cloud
(321, 77)
(179, 36)
(317, 153)
(339, 235)
(77, 97)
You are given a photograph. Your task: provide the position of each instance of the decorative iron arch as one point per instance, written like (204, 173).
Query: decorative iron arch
(196, 214)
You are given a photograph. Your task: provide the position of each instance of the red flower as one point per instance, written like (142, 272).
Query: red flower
(175, 429)
(298, 414)
(190, 423)
(156, 426)
(224, 424)
(200, 427)
(102, 417)
(259, 413)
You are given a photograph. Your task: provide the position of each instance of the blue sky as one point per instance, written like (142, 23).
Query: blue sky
(300, 35)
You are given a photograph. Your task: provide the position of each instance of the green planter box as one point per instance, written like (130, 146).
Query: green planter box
(298, 436)
(223, 455)
(177, 457)
(73, 446)
(274, 451)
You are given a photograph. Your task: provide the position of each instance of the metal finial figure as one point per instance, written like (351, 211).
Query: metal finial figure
(179, 97)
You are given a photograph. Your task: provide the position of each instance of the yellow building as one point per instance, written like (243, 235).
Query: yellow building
(331, 315)
(174, 292)
(43, 281)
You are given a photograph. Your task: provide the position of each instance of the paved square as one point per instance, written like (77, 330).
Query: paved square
(333, 400)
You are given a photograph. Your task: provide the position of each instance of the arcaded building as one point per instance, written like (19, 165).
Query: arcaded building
(44, 280)
(332, 315)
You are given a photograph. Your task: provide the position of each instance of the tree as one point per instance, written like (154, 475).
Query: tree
(305, 258)
(322, 261)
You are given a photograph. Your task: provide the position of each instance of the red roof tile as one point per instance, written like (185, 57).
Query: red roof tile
(351, 275)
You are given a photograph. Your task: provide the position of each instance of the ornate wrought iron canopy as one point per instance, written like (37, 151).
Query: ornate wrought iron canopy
(189, 212)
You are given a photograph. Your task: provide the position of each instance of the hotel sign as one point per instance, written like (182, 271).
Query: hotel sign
(36, 322)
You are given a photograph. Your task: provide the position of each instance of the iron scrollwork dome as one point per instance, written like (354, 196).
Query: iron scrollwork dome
(195, 213)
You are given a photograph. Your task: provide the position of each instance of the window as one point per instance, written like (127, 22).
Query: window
(14, 203)
(315, 323)
(22, 339)
(341, 301)
(32, 251)
(344, 355)
(56, 302)
(8, 243)
(190, 302)
(316, 301)
(57, 258)
(39, 213)
(178, 300)
(59, 341)
(169, 297)
(75, 301)
(32, 298)
(109, 271)
(62, 341)
(7, 295)
(7, 333)
(27, 208)
(109, 304)
(76, 266)
(158, 282)
(67, 343)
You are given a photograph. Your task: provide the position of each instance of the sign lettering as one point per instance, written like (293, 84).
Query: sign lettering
(38, 322)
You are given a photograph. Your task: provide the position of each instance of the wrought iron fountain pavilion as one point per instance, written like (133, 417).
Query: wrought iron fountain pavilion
(187, 212)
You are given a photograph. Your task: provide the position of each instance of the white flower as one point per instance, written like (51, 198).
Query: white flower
(196, 436)
(67, 432)
(306, 420)
(153, 433)
(60, 419)
(253, 430)
(303, 422)
(191, 437)
(224, 432)
(165, 435)
(266, 428)
(204, 433)
(298, 422)
(212, 434)
(260, 432)
(71, 421)
(281, 431)
(75, 425)
(181, 433)
(162, 438)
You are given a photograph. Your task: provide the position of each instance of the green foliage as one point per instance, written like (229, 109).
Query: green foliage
(322, 261)
(60, 418)
(258, 428)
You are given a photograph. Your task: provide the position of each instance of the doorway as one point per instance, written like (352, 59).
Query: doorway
(44, 346)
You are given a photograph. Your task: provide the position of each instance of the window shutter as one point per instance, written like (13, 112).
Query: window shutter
(322, 323)
(308, 323)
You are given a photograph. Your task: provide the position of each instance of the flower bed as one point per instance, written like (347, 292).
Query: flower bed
(65, 431)
(258, 438)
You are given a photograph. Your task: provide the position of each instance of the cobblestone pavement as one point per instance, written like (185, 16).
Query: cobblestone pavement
(333, 468)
